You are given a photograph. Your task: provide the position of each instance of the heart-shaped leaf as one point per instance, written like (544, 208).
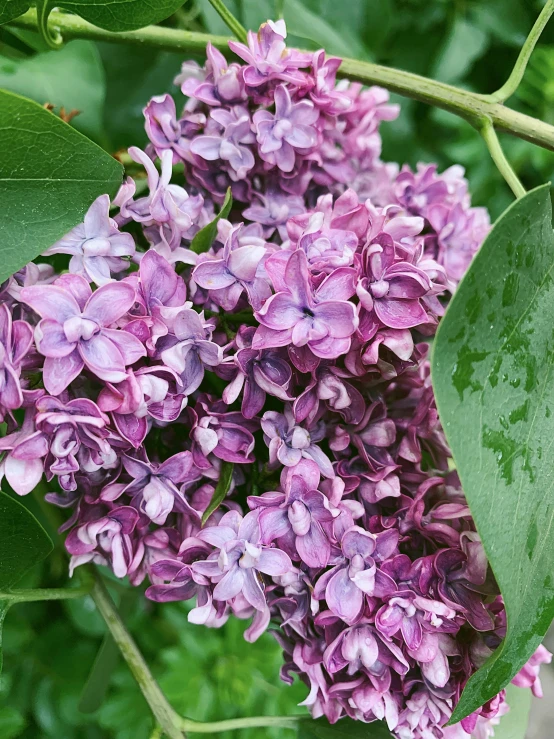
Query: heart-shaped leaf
(49, 176)
(493, 374)
(23, 541)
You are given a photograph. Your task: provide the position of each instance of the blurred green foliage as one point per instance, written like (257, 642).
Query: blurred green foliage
(209, 675)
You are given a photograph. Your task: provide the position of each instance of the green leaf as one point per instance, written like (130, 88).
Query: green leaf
(464, 45)
(72, 77)
(133, 75)
(206, 236)
(514, 724)
(494, 383)
(49, 176)
(303, 23)
(10, 9)
(112, 15)
(12, 722)
(346, 728)
(221, 489)
(23, 541)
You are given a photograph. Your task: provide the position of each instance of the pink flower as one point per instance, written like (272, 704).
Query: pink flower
(238, 559)
(96, 245)
(75, 330)
(238, 269)
(323, 319)
(289, 128)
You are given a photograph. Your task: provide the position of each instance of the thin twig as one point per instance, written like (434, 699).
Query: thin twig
(233, 24)
(499, 158)
(469, 105)
(516, 75)
(166, 716)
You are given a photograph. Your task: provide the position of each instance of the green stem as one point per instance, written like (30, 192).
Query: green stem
(232, 23)
(469, 105)
(516, 75)
(165, 715)
(50, 34)
(499, 158)
(31, 595)
(283, 722)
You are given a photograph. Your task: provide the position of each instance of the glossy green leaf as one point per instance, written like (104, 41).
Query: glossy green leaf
(23, 541)
(49, 176)
(113, 15)
(221, 489)
(206, 236)
(72, 77)
(514, 724)
(493, 374)
(10, 9)
(346, 728)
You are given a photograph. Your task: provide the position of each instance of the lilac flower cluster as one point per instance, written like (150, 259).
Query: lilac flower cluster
(288, 359)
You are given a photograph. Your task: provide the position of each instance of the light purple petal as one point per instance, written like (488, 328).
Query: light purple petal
(103, 358)
(110, 302)
(57, 373)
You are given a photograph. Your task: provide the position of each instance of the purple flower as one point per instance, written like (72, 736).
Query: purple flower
(256, 373)
(227, 436)
(390, 290)
(71, 428)
(344, 586)
(96, 245)
(297, 517)
(239, 559)
(16, 338)
(324, 94)
(462, 575)
(238, 269)
(231, 144)
(289, 129)
(323, 319)
(168, 208)
(361, 648)
(274, 210)
(528, 676)
(75, 330)
(23, 465)
(289, 443)
(268, 57)
(163, 128)
(154, 486)
(222, 84)
(190, 350)
(104, 539)
(148, 393)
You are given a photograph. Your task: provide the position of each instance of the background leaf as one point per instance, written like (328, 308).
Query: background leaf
(113, 15)
(494, 383)
(49, 176)
(23, 541)
(72, 77)
(12, 722)
(346, 728)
